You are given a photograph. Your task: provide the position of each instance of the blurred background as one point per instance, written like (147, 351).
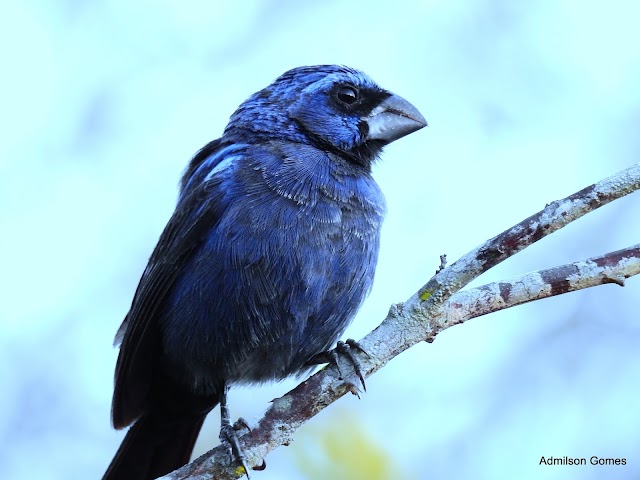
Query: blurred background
(103, 104)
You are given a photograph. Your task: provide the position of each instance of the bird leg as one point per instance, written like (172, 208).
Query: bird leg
(344, 349)
(228, 432)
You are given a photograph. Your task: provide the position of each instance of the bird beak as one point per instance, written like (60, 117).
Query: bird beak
(393, 119)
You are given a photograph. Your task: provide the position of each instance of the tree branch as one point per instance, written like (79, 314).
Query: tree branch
(435, 307)
(614, 267)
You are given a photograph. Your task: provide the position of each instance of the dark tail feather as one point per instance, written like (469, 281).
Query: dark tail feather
(154, 446)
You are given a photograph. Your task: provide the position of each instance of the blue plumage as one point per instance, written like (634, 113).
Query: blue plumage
(269, 254)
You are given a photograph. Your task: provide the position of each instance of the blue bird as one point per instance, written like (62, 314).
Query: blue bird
(270, 252)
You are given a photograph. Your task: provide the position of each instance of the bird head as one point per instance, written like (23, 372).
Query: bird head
(335, 108)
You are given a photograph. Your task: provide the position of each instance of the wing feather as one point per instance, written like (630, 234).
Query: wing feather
(196, 215)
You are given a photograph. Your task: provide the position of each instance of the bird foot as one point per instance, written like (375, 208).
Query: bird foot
(228, 436)
(241, 423)
(343, 349)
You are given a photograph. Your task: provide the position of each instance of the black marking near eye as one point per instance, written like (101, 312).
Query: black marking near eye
(358, 100)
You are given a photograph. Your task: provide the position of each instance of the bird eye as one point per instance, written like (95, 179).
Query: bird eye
(348, 95)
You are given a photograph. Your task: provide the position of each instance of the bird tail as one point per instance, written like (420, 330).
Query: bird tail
(154, 446)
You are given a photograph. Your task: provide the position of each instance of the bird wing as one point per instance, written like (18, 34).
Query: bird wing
(198, 211)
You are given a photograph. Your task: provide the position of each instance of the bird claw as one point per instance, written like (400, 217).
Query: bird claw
(228, 432)
(344, 349)
(261, 466)
(241, 423)
(356, 346)
(228, 436)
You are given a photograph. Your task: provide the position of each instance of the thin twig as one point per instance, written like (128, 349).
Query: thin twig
(614, 267)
